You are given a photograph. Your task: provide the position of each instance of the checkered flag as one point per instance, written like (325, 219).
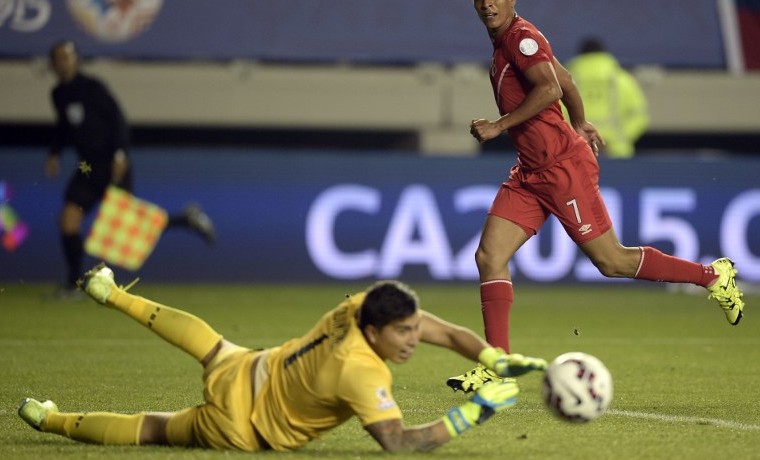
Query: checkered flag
(126, 229)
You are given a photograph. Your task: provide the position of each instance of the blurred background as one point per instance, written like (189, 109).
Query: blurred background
(329, 139)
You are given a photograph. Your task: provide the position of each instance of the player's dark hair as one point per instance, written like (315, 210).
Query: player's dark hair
(385, 302)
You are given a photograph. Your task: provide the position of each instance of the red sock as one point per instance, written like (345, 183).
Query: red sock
(656, 266)
(496, 298)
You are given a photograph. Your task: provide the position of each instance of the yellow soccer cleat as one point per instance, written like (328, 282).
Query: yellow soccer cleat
(475, 379)
(724, 290)
(98, 283)
(34, 412)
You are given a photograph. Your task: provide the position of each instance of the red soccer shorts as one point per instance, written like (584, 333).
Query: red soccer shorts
(569, 190)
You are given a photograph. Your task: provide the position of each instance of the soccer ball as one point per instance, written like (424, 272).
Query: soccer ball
(577, 387)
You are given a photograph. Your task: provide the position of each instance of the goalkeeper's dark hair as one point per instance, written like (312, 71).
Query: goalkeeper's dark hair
(385, 302)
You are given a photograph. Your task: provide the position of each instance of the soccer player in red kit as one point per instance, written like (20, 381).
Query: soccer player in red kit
(556, 173)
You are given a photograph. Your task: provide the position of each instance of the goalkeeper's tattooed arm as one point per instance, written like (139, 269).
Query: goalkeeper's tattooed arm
(394, 437)
(487, 401)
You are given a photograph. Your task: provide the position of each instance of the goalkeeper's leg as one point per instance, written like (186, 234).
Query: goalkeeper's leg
(103, 427)
(183, 330)
(90, 427)
(96, 427)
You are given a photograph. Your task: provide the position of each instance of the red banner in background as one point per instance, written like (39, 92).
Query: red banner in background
(748, 17)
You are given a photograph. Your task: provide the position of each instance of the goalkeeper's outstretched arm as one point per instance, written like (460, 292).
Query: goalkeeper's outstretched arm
(464, 341)
(488, 400)
(394, 437)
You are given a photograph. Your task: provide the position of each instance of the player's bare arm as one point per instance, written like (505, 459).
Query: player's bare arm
(545, 90)
(571, 98)
(437, 331)
(394, 437)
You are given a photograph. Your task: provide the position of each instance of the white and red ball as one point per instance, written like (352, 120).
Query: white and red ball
(577, 387)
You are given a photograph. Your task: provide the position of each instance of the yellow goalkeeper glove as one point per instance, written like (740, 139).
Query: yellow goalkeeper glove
(488, 400)
(512, 365)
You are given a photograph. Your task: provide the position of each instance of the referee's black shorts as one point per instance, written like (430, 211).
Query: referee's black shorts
(87, 190)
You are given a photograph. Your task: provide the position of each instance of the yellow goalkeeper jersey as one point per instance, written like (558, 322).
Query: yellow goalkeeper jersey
(322, 379)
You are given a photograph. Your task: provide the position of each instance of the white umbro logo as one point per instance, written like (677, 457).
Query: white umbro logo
(585, 228)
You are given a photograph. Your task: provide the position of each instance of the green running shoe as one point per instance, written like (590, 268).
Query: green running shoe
(724, 290)
(34, 412)
(475, 379)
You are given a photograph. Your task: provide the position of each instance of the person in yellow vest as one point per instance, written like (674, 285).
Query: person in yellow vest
(613, 99)
(281, 398)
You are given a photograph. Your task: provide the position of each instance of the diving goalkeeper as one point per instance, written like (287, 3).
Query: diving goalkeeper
(283, 397)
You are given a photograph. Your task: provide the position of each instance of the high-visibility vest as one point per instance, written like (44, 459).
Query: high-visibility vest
(612, 99)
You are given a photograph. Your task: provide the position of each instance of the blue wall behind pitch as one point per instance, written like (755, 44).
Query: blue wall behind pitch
(325, 216)
(672, 33)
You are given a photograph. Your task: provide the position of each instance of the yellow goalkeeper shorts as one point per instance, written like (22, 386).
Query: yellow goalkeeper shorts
(224, 420)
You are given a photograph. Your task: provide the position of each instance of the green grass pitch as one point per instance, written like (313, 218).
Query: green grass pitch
(687, 384)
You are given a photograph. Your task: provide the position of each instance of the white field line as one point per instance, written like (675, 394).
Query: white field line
(643, 341)
(716, 422)
(720, 423)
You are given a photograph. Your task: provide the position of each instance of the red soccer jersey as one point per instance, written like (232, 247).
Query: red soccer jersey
(546, 138)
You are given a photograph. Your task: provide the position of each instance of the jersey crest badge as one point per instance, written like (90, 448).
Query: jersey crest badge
(528, 46)
(384, 399)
